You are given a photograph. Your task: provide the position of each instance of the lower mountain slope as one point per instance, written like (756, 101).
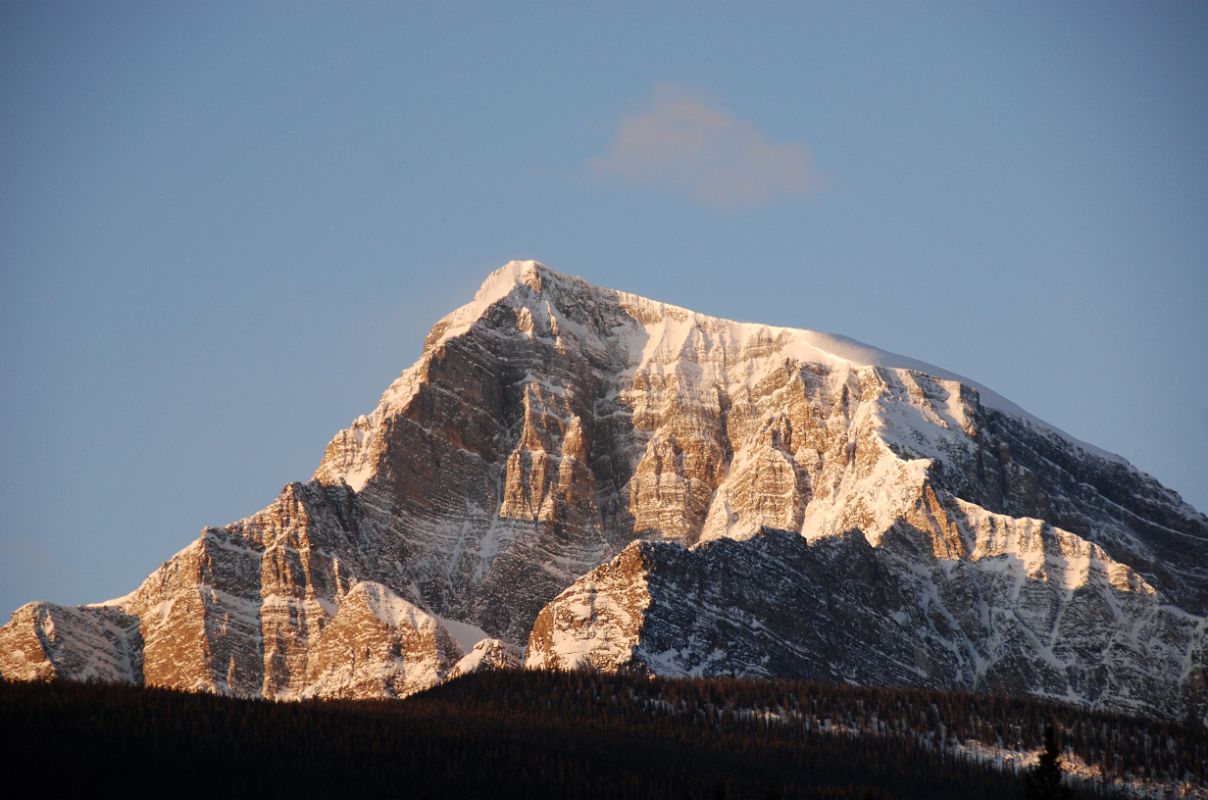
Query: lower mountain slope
(839, 609)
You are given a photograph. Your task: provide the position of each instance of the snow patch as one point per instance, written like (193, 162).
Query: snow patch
(465, 634)
(390, 608)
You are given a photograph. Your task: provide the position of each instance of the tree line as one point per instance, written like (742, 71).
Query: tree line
(581, 734)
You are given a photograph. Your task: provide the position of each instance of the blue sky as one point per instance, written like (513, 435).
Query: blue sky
(225, 227)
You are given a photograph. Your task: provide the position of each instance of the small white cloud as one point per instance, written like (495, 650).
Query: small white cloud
(688, 146)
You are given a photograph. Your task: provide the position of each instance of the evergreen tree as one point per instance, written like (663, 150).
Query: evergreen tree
(1044, 782)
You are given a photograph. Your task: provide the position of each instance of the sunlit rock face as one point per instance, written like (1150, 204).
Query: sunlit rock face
(610, 481)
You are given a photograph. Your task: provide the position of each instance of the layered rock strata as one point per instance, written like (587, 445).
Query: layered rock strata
(493, 497)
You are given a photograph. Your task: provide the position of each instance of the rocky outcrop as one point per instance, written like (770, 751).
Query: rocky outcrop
(378, 645)
(549, 424)
(1030, 610)
(44, 641)
(486, 655)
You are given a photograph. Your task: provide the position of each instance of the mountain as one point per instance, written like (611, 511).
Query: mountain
(585, 477)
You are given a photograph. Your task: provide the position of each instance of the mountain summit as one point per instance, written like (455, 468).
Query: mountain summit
(580, 477)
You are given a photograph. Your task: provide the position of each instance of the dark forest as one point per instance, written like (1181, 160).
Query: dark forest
(576, 734)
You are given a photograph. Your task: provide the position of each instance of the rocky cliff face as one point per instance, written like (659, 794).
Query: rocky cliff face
(1033, 611)
(801, 504)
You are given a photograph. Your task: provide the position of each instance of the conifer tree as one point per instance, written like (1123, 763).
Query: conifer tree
(1044, 781)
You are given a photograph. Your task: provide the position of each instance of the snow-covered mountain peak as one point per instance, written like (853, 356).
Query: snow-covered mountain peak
(646, 327)
(515, 283)
(505, 280)
(617, 480)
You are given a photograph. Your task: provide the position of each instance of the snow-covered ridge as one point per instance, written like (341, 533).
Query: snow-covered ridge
(668, 322)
